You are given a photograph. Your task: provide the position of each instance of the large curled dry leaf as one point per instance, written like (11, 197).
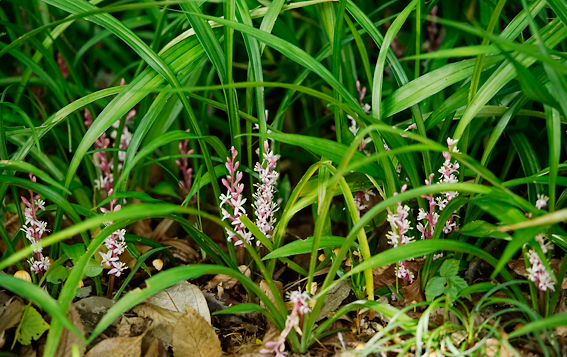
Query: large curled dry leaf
(384, 275)
(10, 318)
(28, 351)
(156, 349)
(194, 337)
(225, 281)
(158, 314)
(271, 330)
(92, 309)
(176, 297)
(118, 347)
(163, 321)
(413, 292)
(494, 348)
(336, 295)
(68, 339)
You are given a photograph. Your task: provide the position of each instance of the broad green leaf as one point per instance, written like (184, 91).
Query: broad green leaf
(93, 268)
(481, 228)
(31, 327)
(435, 287)
(58, 275)
(503, 211)
(74, 251)
(449, 268)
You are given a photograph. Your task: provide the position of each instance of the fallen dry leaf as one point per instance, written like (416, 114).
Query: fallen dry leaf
(384, 275)
(163, 321)
(494, 348)
(176, 297)
(118, 347)
(194, 337)
(161, 229)
(162, 332)
(413, 292)
(183, 247)
(92, 309)
(10, 318)
(158, 314)
(225, 281)
(68, 339)
(28, 351)
(143, 227)
(131, 326)
(271, 330)
(156, 349)
(337, 294)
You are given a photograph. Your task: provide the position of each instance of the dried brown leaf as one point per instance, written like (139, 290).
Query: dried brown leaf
(194, 337)
(177, 296)
(156, 349)
(28, 351)
(118, 347)
(131, 326)
(225, 281)
(413, 292)
(68, 338)
(143, 228)
(11, 223)
(159, 231)
(92, 309)
(336, 295)
(266, 289)
(10, 318)
(185, 250)
(494, 348)
(159, 315)
(271, 330)
(384, 275)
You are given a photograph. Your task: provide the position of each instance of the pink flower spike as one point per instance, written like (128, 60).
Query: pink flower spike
(538, 274)
(34, 230)
(234, 199)
(300, 308)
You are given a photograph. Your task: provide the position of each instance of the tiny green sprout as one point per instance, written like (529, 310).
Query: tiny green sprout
(448, 283)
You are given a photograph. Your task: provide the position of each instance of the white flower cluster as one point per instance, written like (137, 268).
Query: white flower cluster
(401, 225)
(537, 272)
(264, 204)
(115, 244)
(436, 204)
(34, 230)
